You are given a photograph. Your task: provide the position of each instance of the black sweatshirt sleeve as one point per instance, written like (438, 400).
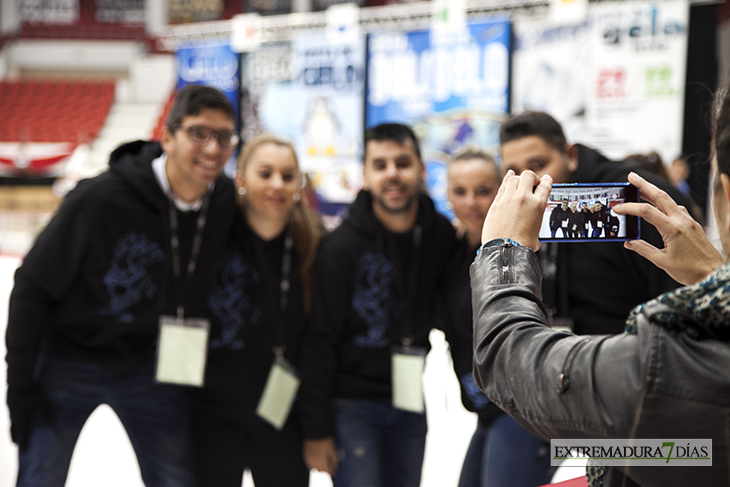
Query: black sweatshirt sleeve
(330, 302)
(47, 272)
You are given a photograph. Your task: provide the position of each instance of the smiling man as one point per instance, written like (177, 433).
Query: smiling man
(589, 287)
(373, 302)
(124, 249)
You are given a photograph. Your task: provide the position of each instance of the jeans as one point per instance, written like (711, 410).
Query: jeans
(378, 445)
(155, 417)
(504, 454)
(223, 449)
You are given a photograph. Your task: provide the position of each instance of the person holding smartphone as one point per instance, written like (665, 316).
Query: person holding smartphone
(663, 377)
(259, 300)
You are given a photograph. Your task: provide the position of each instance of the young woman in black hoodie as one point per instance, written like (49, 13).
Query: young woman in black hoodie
(260, 299)
(501, 452)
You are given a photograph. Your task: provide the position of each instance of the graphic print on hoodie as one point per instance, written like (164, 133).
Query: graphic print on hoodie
(373, 299)
(229, 301)
(127, 280)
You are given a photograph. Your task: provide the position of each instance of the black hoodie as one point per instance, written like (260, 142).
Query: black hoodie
(363, 277)
(245, 305)
(98, 277)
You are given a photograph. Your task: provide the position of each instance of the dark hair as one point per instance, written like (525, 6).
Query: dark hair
(392, 132)
(193, 99)
(721, 129)
(651, 162)
(533, 123)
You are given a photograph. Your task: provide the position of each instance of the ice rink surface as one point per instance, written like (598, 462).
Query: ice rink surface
(104, 456)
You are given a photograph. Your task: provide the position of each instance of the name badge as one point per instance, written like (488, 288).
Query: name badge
(407, 370)
(574, 227)
(279, 393)
(565, 224)
(182, 351)
(600, 224)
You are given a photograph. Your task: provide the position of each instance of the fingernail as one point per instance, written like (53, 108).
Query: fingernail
(510, 172)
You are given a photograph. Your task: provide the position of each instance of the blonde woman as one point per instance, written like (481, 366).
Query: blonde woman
(501, 452)
(260, 300)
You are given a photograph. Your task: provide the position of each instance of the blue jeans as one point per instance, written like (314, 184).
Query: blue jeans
(155, 416)
(378, 445)
(506, 455)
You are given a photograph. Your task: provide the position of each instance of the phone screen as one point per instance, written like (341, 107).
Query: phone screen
(583, 212)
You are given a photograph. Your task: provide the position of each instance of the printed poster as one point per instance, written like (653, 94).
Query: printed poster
(549, 72)
(636, 83)
(452, 89)
(211, 65)
(615, 81)
(311, 92)
(49, 11)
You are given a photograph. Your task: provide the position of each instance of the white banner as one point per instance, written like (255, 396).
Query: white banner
(615, 82)
(636, 102)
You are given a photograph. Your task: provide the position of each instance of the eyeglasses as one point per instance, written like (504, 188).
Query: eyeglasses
(201, 135)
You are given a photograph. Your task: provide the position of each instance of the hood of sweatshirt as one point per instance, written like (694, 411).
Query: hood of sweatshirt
(132, 161)
(361, 219)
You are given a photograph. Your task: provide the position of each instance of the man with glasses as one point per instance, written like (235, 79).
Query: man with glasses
(128, 254)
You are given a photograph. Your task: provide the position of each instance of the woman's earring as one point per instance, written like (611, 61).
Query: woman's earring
(241, 190)
(296, 197)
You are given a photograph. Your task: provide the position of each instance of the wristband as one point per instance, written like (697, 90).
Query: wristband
(497, 242)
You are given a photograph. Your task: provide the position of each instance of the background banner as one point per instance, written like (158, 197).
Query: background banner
(311, 91)
(615, 82)
(212, 65)
(453, 89)
(637, 77)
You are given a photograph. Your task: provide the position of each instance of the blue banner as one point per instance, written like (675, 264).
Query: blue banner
(452, 89)
(211, 65)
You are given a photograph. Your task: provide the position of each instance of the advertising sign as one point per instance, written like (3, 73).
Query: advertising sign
(550, 72)
(120, 11)
(615, 81)
(49, 11)
(637, 78)
(181, 11)
(451, 88)
(211, 65)
(311, 91)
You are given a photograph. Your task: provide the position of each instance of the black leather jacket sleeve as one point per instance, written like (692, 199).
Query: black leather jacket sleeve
(556, 384)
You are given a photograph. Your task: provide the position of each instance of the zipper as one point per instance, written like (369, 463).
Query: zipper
(506, 261)
(564, 377)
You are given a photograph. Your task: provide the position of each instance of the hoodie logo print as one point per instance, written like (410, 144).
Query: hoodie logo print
(373, 298)
(127, 280)
(229, 302)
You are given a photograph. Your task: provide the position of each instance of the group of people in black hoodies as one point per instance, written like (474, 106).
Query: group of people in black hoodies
(594, 221)
(299, 351)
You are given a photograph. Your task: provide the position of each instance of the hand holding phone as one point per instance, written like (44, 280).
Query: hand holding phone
(688, 256)
(517, 209)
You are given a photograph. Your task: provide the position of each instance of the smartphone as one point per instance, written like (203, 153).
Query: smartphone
(583, 212)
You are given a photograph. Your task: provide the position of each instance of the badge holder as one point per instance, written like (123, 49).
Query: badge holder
(182, 350)
(408, 363)
(279, 393)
